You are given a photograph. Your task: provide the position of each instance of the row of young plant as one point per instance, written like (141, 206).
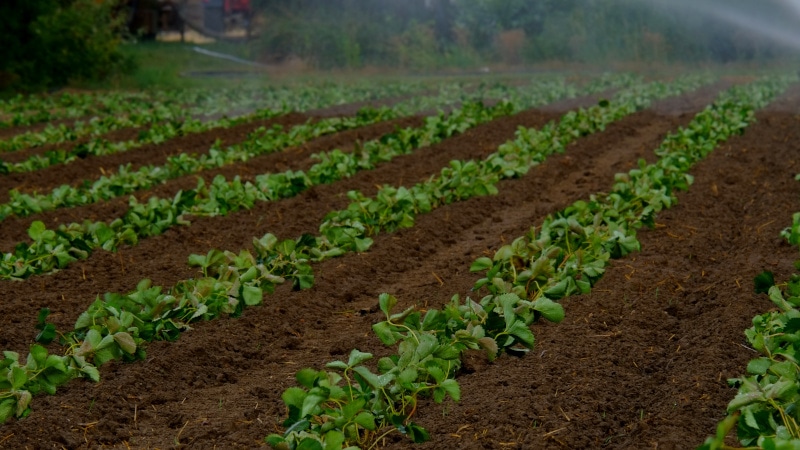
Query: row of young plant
(103, 101)
(351, 405)
(22, 111)
(157, 133)
(54, 249)
(72, 109)
(765, 410)
(117, 326)
(162, 131)
(28, 110)
(261, 141)
(135, 114)
(269, 103)
(195, 103)
(73, 105)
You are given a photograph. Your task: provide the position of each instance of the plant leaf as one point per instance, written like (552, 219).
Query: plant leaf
(252, 295)
(763, 282)
(453, 389)
(550, 310)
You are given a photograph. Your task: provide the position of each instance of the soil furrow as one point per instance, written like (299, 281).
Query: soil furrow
(281, 338)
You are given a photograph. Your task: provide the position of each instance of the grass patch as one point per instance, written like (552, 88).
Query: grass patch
(168, 65)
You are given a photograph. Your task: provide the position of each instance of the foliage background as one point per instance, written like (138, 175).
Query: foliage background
(46, 43)
(425, 34)
(52, 43)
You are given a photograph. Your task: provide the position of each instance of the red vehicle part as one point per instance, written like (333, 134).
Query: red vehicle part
(236, 6)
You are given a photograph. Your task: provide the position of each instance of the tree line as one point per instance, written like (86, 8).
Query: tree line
(436, 33)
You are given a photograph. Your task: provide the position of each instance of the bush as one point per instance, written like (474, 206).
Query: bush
(47, 43)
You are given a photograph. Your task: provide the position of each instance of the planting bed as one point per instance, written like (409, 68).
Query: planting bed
(641, 362)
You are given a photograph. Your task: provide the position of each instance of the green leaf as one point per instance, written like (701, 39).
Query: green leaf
(47, 331)
(196, 260)
(17, 376)
(366, 420)
(776, 296)
(785, 369)
(504, 253)
(427, 345)
(277, 442)
(91, 372)
(550, 310)
(307, 377)
(436, 372)
(106, 354)
(340, 365)
(304, 281)
(407, 376)
(7, 407)
(508, 302)
(387, 303)
(453, 389)
(294, 396)
(522, 333)
(311, 404)
(37, 230)
(743, 399)
(385, 333)
(84, 320)
(334, 440)
(759, 366)
(253, 295)
(47, 334)
(91, 341)
(377, 382)
(763, 282)
(106, 342)
(47, 387)
(39, 354)
(249, 275)
(362, 245)
(309, 444)
(417, 433)
(125, 342)
(349, 410)
(481, 264)
(357, 357)
(56, 363)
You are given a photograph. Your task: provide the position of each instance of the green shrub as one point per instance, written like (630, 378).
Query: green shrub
(47, 43)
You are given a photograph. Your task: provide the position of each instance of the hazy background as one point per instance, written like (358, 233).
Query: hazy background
(425, 34)
(53, 43)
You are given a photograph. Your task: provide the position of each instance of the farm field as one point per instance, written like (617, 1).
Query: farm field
(641, 361)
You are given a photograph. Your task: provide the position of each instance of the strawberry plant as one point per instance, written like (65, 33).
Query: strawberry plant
(566, 258)
(222, 197)
(106, 331)
(276, 101)
(116, 326)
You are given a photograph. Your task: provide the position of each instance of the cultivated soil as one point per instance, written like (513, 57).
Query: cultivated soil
(640, 363)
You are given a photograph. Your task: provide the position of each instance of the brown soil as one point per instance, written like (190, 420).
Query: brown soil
(639, 363)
